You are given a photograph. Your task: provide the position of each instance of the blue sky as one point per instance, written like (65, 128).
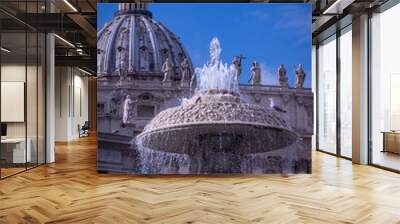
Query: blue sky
(271, 34)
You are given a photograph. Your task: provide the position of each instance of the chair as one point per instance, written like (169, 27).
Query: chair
(84, 130)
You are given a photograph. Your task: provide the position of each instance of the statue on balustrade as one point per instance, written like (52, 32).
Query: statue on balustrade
(255, 74)
(283, 80)
(126, 109)
(185, 71)
(123, 71)
(300, 76)
(237, 62)
(167, 69)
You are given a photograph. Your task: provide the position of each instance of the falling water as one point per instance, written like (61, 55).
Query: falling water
(285, 160)
(159, 162)
(215, 74)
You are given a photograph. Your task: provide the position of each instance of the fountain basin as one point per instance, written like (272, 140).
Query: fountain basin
(235, 137)
(218, 121)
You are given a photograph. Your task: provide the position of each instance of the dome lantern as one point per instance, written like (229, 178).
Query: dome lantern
(137, 7)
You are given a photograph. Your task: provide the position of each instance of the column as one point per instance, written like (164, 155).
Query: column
(360, 90)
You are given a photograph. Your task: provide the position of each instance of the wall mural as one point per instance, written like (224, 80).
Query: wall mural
(165, 107)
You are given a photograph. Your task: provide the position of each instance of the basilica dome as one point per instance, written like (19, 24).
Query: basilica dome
(133, 43)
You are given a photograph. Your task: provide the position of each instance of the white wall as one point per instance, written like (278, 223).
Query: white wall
(61, 103)
(81, 102)
(33, 126)
(16, 73)
(11, 73)
(71, 102)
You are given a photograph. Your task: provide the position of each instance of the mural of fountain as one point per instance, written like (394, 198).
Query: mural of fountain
(216, 131)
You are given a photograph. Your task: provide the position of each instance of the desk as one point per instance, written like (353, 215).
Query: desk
(391, 141)
(13, 150)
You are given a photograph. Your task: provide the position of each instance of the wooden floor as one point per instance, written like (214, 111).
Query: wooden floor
(387, 159)
(5, 172)
(71, 191)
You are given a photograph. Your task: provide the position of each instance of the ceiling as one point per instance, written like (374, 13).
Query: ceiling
(74, 21)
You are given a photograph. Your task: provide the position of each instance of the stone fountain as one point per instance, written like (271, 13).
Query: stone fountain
(215, 131)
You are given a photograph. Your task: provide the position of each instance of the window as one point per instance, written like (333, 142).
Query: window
(346, 92)
(100, 108)
(145, 111)
(335, 94)
(327, 95)
(22, 75)
(385, 89)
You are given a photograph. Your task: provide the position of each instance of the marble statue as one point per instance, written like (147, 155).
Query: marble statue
(255, 74)
(167, 70)
(300, 76)
(126, 109)
(185, 71)
(123, 73)
(283, 80)
(237, 62)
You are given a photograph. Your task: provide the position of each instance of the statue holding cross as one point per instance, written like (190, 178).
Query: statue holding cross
(237, 62)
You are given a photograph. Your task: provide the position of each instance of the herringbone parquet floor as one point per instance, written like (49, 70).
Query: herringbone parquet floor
(71, 191)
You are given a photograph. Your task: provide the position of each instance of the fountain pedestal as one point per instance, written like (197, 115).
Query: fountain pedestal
(216, 153)
(215, 130)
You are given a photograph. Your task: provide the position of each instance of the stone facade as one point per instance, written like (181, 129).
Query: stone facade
(155, 97)
(152, 94)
